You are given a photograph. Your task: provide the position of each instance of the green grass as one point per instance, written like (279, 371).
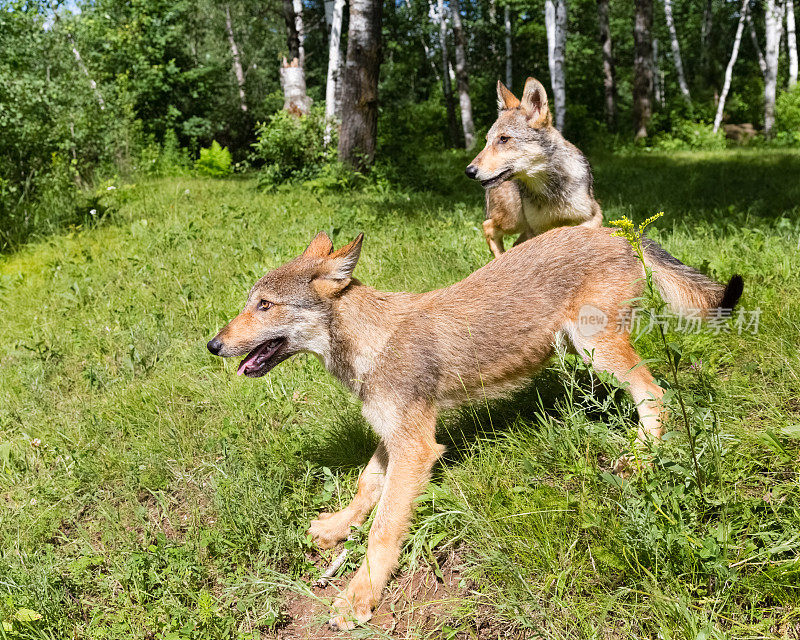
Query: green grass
(146, 491)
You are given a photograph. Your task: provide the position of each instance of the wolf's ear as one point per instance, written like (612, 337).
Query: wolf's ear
(320, 247)
(337, 270)
(534, 103)
(505, 99)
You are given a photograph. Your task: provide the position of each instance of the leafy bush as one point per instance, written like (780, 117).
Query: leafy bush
(688, 134)
(787, 117)
(292, 147)
(214, 161)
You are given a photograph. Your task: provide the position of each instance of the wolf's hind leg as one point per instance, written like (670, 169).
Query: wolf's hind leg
(612, 352)
(331, 528)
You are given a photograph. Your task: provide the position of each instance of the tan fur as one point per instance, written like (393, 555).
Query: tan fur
(535, 179)
(407, 356)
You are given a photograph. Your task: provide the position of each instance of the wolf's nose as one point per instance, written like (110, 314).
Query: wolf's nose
(471, 171)
(214, 346)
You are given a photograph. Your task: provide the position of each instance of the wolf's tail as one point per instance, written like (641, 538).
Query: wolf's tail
(685, 289)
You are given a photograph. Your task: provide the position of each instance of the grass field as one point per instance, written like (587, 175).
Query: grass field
(146, 491)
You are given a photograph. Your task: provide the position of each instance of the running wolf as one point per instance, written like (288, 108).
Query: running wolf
(407, 356)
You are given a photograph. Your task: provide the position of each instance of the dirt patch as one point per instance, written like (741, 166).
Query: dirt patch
(417, 603)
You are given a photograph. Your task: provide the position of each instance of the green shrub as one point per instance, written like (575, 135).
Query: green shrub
(787, 117)
(688, 134)
(214, 161)
(293, 148)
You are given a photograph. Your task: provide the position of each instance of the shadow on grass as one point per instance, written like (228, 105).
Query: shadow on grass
(350, 442)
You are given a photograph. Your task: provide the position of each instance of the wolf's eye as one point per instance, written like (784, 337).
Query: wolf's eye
(502, 140)
(264, 305)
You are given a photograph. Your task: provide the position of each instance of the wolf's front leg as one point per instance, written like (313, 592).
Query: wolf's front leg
(412, 454)
(332, 528)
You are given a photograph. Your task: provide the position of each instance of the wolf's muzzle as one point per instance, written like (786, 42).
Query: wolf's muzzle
(471, 171)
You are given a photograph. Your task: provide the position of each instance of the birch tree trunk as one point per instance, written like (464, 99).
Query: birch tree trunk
(293, 83)
(726, 85)
(676, 52)
(237, 62)
(81, 65)
(642, 67)
(334, 45)
(705, 37)
(609, 74)
(774, 23)
(791, 42)
(447, 89)
(462, 78)
(297, 6)
(555, 19)
(360, 84)
(658, 85)
(762, 64)
(509, 52)
(292, 39)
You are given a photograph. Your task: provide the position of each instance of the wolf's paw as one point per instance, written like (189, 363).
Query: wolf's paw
(331, 528)
(351, 608)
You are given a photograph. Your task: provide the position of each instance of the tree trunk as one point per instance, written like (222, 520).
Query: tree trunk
(774, 23)
(726, 85)
(705, 37)
(81, 65)
(334, 45)
(762, 64)
(676, 52)
(360, 84)
(237, 62)
(293, 83)
(509, 66)
(642, 67)
(609, 75)
(555, 19)
(292, 39)
(301, 34)
(791, 42)
(462, 78)
(658, 85)
(447, 89)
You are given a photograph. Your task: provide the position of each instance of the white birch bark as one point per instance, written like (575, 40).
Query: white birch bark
(293, 83)
(658, 86)
(762, 64)
(774, 23)
(509, 66)
(334, 60)
(555, 19)
(447, 86)
(301, 34)
(676, 52)
(791, 42)
(237, 62)
(81, 65)
(726, 85)
(462, 78)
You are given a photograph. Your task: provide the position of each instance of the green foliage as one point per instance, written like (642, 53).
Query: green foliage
(690, 135)
(293, 147)
(787, 117)
(214, 161)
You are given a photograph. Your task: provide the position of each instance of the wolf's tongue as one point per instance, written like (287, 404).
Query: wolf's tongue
(256, 357)
(243, 365)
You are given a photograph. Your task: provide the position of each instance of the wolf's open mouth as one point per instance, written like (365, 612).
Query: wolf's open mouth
(263, 358)
(500, 177)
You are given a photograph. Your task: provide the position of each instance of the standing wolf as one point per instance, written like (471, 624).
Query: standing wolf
(406, 355)
(535, 180)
